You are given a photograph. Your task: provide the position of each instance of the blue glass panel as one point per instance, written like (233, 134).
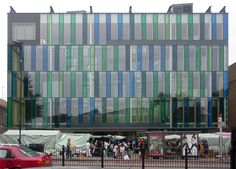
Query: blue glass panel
(174, 110)
(120, 26)
(108, 26)
(33, 58)
(163, 57)
(45, 58)
(143, 84)
(91, 114)
(108, 85)
(225, 83)
(214, 92)
(96, 28)
(139, 47)
(120, 85)
(174, 62)
(198, 111)
(186, 112)
(131, 84)
(225, 26)
(209, 112)
(80, 110)
(213, 18)
(68, 112)
(151, 58)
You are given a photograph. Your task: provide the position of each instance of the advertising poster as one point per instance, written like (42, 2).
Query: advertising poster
(156, 144)
(190, 142)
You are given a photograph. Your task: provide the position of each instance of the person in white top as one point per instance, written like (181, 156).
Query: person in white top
(88, 150)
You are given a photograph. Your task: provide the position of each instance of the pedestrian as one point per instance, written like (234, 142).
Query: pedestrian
(68, 149)
(88, 149)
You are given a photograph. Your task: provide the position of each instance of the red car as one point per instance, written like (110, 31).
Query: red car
(18, 156)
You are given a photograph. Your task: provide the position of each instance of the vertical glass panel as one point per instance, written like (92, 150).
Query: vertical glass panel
(114, 26)
(86, 58)
(31, 82)
(137, 27)
(122, 57)
(196, 84)
(168, 58)
(161, 27)
(92, 58)
(209, 58)
(149, 84)
(43, 29)
(155, 26)
(102, 29)
(90, 29)
(184, 26)
(78, 77)
(110, 110)
(143, 21)
(208, 92)
(145, 110)
(110, 58)
(68, 58)
(157, 111)
(55, 84)
(72, 84)
(207, 26)
(219, 26)
(173, 27)
(61, 28)
(39, 58)
(86, 110)
(102, 84)
(173, 90)
(104, 58)
(157, 58)
(192, 112)
(51, 58)
(138, 84)
(43, 84)
(121, 110)
(74, 112)
(66, 84)
(126, 84)
(62, 58)
(67, 28)
(204, 58)
(79, 29)
(145, 58)
(215, 58)
(225, 58)
(98, 58)
(74, 58)
(133, 110)
(192, 58)
(90, 84)
(202, 84)
(221, 60)
(96, 29)
(27, 58)
(155, 84)
(133, 58)
(184, 89)
(73, 37)
(161, 84)
(204, 112)
(219, 84)
(127, 110)
(180, 112)
(179, 83)
(190, 84)
(196, 26)
(149, 26)
(167, 27)
(62, 112)
(114, 84)
(126, 26)
(98, 111)
(55, 29)
(116, 61)
(180, 58)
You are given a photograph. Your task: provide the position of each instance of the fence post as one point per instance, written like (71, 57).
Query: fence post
(233, 149)
(102, 156)
(186, 158)
(63, 155)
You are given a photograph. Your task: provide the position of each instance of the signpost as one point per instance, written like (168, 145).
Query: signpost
(220, 138)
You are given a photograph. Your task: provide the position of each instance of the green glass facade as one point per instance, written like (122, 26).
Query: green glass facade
(149, 70)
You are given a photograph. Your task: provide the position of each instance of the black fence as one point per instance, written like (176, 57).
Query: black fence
(132, 158)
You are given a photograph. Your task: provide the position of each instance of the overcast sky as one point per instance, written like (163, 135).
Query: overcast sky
(31, 6)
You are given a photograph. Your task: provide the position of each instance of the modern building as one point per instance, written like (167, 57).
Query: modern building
(112, 72)
(3, 115)
(232, 96)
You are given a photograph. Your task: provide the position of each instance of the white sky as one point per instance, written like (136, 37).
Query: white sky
(31, 6)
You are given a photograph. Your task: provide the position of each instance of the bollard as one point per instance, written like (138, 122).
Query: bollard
(102, 157)
(143, 157)
(186, 158)
(63, 155)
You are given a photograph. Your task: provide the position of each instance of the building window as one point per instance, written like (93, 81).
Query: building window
(23, 31)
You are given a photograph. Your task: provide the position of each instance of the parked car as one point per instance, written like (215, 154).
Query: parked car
(14, 156)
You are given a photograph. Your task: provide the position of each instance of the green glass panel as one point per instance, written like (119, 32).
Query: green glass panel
(9, 112)
(167, 83)
(116, 109)
(33, 112)
(167, 26)
(92, 68)
(49, 29)
(155, 85)
(104, 58)
(80, 55)
(155, 26)
(61, 90)
(68, 58)
(73, 28)
(151, 111)
(139, 114)
(37, 83)
(49, 84)
(186, 56)
(198, 58)
(72, 84)
(209, 58)
(190, 26)
(190, 84)
(61, 28)
(127, 110)
(179, 83)
(202, 84)
(178, 18)
(143, 21)
(84, 84)
(45, 112)
(163, 110)
(116, 59)
(222, 58)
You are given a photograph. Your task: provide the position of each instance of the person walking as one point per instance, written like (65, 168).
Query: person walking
(68, 149)
(88, 149)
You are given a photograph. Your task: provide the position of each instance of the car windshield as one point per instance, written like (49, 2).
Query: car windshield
(28, 152)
